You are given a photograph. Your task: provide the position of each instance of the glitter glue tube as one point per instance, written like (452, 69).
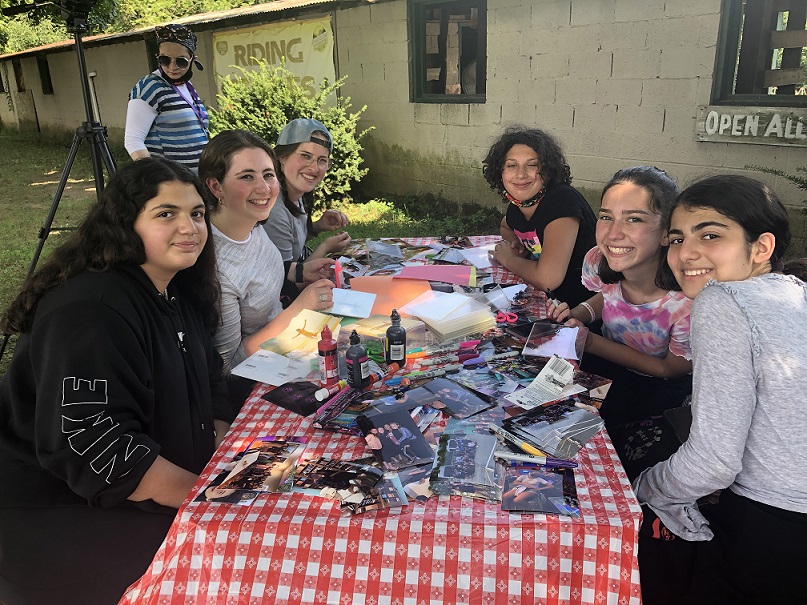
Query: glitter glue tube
(391, 369)
(326, 392)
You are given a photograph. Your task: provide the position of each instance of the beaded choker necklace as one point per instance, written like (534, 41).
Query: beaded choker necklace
(526, 203)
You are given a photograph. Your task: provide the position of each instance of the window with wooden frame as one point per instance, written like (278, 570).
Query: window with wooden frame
(44, 74)
(18, 75)
(762, 56)
(448, 51)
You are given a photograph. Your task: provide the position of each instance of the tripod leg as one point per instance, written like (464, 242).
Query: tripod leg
(44, 232)
(106, 156)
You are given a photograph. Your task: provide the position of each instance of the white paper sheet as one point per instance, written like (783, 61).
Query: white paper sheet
(478, 257)
(272, 368)
(350, 303)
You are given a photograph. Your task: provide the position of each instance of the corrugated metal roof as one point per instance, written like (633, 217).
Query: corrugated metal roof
(200, 19)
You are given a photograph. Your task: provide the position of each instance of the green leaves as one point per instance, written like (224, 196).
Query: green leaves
(264, 100)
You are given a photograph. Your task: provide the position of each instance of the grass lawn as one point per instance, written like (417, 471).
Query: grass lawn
(32, 167)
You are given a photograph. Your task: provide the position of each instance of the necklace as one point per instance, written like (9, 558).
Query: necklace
(526, 203)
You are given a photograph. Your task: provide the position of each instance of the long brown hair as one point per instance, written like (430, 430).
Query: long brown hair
(106, 239)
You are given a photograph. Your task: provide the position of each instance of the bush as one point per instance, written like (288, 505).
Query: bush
(265, 100)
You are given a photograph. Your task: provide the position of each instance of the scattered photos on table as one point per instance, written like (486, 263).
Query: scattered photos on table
(395, 440)
(540, 490)
(559, 429)
(465, 466)
(267, 465)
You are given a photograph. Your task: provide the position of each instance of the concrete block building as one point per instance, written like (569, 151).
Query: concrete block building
(692, 87)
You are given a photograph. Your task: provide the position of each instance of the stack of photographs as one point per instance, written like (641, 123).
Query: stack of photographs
(356, 486)
(415, 482)
(559, 429)
(454, 399)
(267, 466)
(465, 466)
(395, 440)
(541, 489)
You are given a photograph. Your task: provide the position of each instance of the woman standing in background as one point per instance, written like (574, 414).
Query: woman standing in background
(165, 115)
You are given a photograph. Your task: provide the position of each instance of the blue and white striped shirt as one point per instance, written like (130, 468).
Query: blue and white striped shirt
(179, 131)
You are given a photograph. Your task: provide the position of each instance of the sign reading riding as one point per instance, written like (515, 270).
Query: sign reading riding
(305, 48)
(753, 125)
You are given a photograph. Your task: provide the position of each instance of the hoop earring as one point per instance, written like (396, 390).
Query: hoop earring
(221, 201)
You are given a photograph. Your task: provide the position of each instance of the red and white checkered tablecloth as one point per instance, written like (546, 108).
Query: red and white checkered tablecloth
(295, 548)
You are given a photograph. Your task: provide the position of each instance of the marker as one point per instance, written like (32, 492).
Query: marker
(537, 460)
(441, 348)
(326, 392)
(337, 273)
(432, 361)
(510, 438)
(376, 376)
(398, 380)
(480, 360)
(432, 373)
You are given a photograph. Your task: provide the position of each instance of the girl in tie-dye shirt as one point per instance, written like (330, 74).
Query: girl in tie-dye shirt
(645, 332)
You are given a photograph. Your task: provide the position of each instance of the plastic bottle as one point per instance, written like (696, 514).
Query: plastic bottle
(328, 360)
(395, 343)
(358, 363)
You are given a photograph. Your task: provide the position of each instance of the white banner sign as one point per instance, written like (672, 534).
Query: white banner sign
(306, 46)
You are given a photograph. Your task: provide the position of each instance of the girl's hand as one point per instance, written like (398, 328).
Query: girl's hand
(316, 297)
(316, 269)
(559, 312)
(331, 220)
(562, 313)
(332, 244)
(504, 250)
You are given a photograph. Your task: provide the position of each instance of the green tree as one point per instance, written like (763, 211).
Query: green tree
(266, 99)
(23, 32)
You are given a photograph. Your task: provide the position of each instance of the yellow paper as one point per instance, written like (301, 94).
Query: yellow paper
(303, 333)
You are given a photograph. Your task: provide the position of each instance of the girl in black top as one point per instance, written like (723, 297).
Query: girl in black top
(549, 226)
(114, 401)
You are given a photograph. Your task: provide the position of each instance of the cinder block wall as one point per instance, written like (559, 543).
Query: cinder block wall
(618, 82)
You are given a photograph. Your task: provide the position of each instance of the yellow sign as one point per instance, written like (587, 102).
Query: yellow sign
(306, 47)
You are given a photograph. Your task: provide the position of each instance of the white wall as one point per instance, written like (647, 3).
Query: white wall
(618, 82)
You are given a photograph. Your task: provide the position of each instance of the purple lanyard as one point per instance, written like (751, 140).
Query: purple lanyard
(195, 106)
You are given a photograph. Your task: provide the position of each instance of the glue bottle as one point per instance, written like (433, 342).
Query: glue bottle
(395, 343)
(328, 360)
(358, 363)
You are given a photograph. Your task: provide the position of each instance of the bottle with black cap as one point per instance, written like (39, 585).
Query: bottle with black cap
(395, 343)
(358, 363)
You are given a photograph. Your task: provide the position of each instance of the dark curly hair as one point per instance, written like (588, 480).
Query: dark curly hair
(217, 158)
(554, 167)
(663, 191)
(106, 239)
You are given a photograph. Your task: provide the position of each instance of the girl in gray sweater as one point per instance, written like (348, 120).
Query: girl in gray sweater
(748, 334)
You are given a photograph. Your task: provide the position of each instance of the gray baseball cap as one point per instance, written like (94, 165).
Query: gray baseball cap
(301, 131)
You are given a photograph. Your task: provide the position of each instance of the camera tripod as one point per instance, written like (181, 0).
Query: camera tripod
(91, 130)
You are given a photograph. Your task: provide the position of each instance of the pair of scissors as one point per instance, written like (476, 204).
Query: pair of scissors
(505, 317)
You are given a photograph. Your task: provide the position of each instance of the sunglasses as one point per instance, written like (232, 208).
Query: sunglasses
(181, 62)
(175, 33)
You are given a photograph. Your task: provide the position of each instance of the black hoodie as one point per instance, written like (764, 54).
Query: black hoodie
(110, 376)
